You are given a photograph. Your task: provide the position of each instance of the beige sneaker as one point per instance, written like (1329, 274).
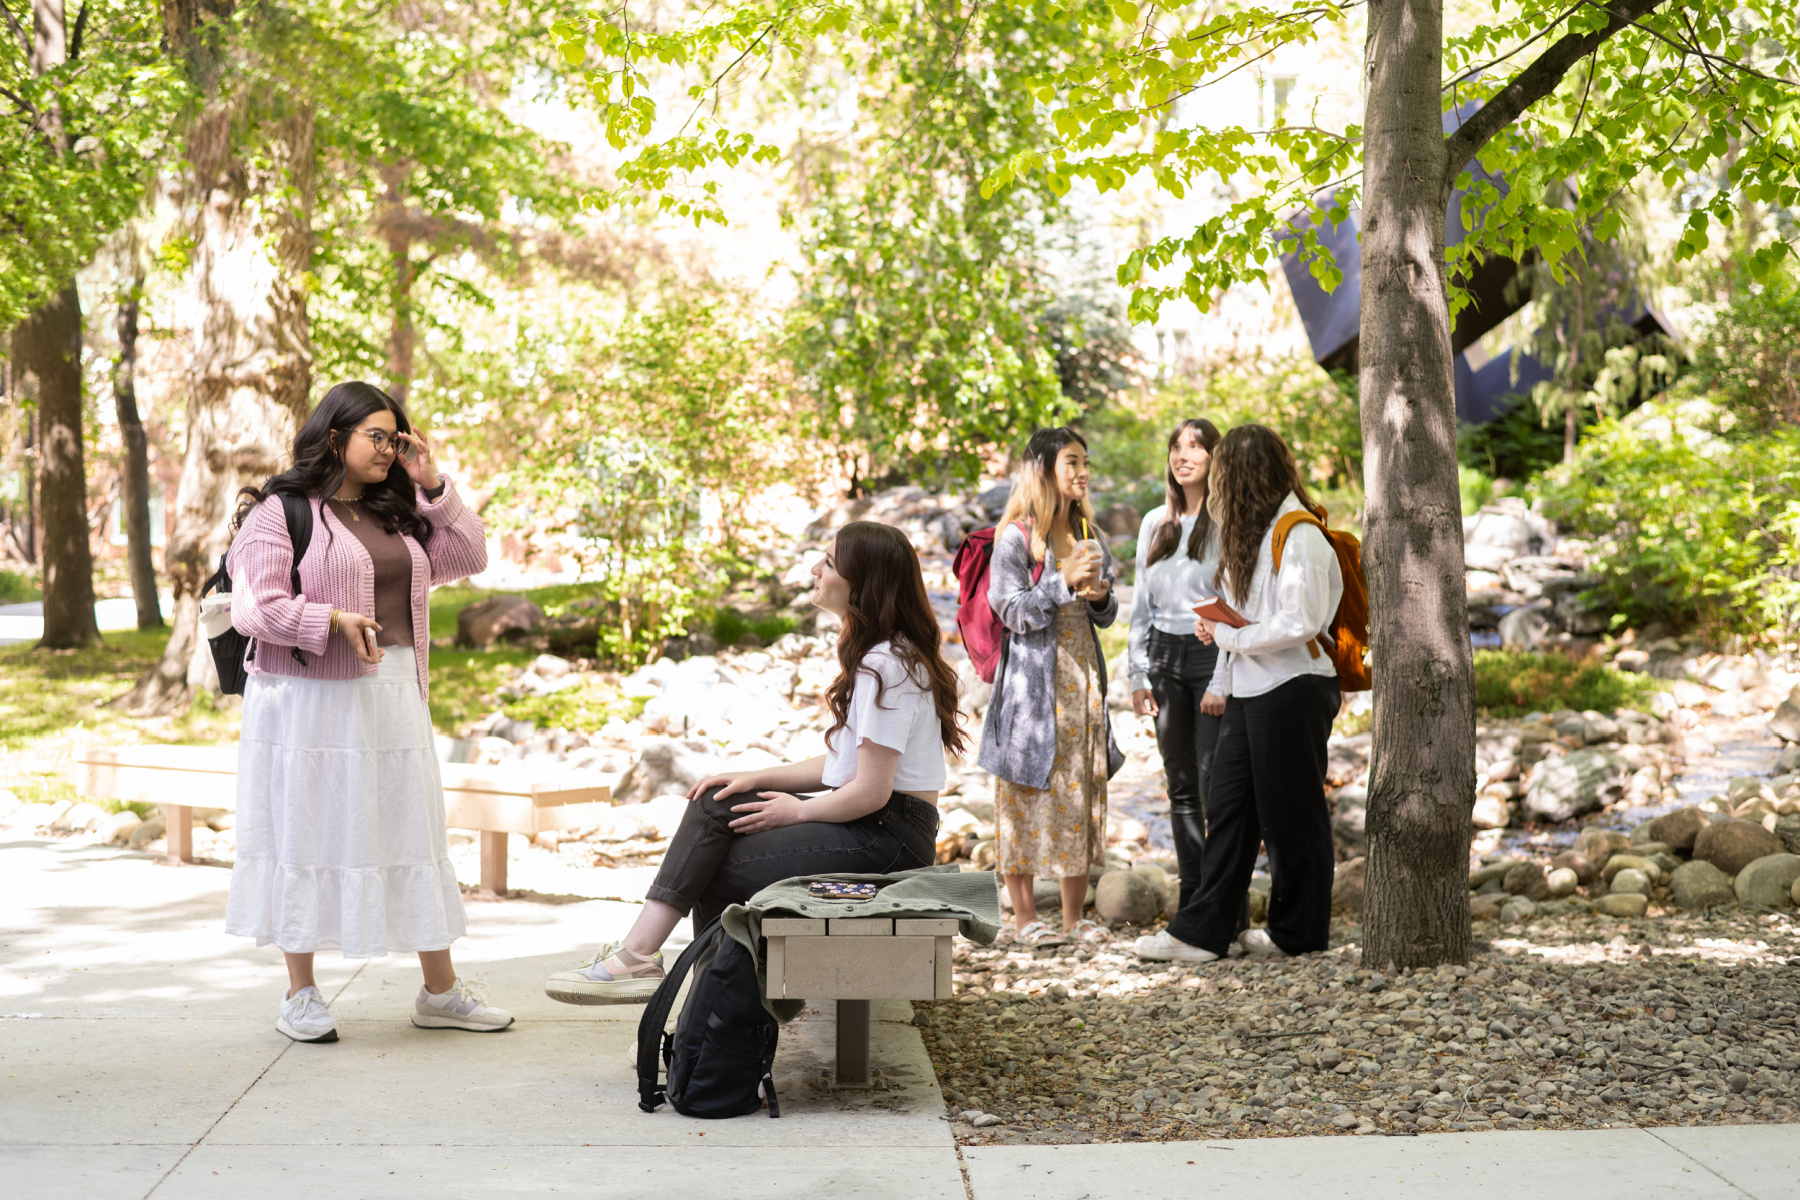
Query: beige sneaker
(615, 976)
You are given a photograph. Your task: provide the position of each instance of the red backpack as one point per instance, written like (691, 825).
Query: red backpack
(983, 636)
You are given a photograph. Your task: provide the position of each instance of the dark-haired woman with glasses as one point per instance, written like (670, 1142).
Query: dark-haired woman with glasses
(340, 807)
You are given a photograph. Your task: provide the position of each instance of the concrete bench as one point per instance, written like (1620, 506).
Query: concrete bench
(492, 800)
(854, 961)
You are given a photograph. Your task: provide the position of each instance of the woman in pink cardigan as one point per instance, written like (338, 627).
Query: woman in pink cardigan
(340, 808)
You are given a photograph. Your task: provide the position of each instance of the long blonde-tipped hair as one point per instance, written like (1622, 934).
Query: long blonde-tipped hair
(1034, 498)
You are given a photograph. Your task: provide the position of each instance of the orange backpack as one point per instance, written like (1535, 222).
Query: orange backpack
(1346, 639)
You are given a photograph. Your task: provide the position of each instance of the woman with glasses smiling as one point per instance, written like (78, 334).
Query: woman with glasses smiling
(340, 808)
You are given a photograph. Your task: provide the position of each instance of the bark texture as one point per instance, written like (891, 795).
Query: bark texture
(47, 347)
(1422, 777)
(252, 177)
(135, 480)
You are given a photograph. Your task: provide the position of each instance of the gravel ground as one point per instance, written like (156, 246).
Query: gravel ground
(1576, 1023)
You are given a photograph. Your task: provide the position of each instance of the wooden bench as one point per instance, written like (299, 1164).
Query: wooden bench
(492, 800)
(854, 961)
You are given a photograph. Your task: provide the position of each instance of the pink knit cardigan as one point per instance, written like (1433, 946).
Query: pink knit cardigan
(337, 572)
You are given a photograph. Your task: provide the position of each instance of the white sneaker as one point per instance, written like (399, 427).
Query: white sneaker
(1258, 944)
(306, 1017)
(464, 1006)
(1160, 947)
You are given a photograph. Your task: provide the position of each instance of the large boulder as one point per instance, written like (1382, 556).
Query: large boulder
(1768, 882)
(1347, 884)
(665, 767)
(1699, 885)
(1526, 879)
(1678, 829)
(1787, 828)
(480, 623)
(1732, 845)
(1581, 781)
(1126, 898)
(1526, 628)
(1785, 724)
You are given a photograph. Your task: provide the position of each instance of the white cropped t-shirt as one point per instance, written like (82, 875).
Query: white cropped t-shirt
(906, 720)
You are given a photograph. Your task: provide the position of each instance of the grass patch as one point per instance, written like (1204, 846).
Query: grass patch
(461, 678)
(1511, 683)
(16, 587)
(728, 625)
(584, 708)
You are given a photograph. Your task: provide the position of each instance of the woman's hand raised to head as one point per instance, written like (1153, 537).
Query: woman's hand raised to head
(771, 810)
(728, 785)
(420, 466)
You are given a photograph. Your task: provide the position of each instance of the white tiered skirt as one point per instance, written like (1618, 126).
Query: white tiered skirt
(340, 817)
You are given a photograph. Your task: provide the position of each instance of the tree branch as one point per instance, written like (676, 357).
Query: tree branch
(24, 38)
(1533, 84)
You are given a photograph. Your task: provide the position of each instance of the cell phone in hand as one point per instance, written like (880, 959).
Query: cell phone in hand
(836, 889)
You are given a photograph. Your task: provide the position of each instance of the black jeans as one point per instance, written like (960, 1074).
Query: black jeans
(1268, 787)
(1181, 666)
(710, 867)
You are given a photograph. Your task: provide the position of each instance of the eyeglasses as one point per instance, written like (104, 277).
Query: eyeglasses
(383, 439)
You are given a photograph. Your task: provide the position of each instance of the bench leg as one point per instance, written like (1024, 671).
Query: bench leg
(852, 1041)
(493, 862)
(179, 832)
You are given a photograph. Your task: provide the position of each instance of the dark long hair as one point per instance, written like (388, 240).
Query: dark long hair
(1034, 497)
(318, 469)
(1162, 542)
(1252, 473)
(888, 603)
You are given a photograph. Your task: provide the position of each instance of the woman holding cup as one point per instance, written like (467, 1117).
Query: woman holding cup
(1046, 738)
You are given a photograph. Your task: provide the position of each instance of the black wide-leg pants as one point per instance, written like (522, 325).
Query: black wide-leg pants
(1267, 787)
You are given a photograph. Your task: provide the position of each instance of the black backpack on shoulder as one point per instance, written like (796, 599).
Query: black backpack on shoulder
(722, 1053)
(231, 649)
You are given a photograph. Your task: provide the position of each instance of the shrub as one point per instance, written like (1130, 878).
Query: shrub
(1691, 524)
(17, 587)
(728, 625)
(1510, 683)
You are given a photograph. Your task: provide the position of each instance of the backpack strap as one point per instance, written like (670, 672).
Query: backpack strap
(297, 510)
(1284, 525)
(651, 1039)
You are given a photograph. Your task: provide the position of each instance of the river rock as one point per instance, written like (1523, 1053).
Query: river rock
(1491, 812)
(1578, 782)
(1517, 910)
(1787, 828)
(480, 623)
(1679, 828)
(1699, 885)
(1768, 882)
(1349, 814)
(1526, 879)
(1785, 724)
(665, 767)
(1577, 862)
(148, 831)
(1562, 882)
(1631, 881)
(116, 829)
(1731, 845)
(1127, 898)
(1623, 904)
(1597, 845)
(1621, 862)
(1487, 908)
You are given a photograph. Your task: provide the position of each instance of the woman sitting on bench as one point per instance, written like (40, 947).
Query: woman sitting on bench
(893, 707)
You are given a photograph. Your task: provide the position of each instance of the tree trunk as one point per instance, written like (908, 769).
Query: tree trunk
(135, 480)
(251, 371)
(47, 345)
(1422, 774)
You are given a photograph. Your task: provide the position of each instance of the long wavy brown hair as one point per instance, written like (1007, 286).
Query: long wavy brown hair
(1162, 542)
(1252, 473)
(888, 603)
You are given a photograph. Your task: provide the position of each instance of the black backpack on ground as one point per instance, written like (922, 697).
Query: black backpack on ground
(722, 1053)
(231, 649)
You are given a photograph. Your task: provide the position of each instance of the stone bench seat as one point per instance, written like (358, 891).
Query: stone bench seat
(493, 801)
(856, 960)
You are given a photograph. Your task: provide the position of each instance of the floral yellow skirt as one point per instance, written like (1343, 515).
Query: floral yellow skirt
(1060, 831)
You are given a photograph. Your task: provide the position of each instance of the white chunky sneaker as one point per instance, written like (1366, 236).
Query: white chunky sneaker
(1160, 947)
(1258, 944)
(306, 1017)
(464, 1006)
(615, 976)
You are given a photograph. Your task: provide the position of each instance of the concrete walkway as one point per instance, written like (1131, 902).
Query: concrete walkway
(138, 1058)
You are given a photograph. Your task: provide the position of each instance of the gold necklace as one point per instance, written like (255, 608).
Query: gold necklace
(346, 500)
